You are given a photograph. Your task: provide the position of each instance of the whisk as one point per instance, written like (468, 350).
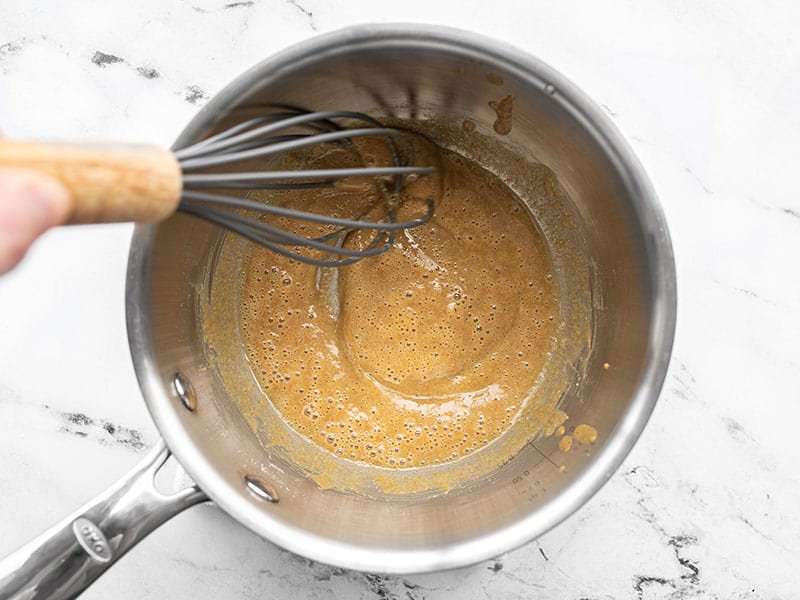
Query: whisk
(145, 184)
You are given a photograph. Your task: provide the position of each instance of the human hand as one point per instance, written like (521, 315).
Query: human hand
(30, 204)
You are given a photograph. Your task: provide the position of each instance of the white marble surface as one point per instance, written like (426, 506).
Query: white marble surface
(707, 504)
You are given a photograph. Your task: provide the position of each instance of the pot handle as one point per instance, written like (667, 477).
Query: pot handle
(67, 558)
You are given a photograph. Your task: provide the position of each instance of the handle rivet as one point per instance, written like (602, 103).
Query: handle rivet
(184, 391)
(260, 489)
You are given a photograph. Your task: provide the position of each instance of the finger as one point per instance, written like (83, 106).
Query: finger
(29, 205)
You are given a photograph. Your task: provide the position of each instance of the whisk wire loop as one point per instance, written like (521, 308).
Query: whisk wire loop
(275, 134)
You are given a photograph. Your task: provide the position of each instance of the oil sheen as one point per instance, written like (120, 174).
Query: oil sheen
(417, 357)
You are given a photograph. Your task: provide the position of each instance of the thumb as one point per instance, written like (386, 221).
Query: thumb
(30, 203)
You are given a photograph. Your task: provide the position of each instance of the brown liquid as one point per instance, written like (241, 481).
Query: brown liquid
(434, 347)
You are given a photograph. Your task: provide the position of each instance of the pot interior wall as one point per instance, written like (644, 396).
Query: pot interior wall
(429, 82)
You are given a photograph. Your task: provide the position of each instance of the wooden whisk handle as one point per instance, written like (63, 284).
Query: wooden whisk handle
(107, 183)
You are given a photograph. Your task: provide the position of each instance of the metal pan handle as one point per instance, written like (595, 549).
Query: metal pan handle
(66, 559)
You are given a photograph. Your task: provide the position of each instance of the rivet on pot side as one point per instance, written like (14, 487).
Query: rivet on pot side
(185, 391)
(260, 489)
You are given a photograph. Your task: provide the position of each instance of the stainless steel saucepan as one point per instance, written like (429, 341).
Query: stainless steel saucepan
(430, 75)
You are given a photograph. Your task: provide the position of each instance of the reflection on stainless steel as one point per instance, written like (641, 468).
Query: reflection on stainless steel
(403, 72)
(185, 392)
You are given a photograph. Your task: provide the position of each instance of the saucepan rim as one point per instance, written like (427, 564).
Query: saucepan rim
(605, 461)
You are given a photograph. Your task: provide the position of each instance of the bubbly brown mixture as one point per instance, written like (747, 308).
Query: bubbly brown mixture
(417, 357)
(585, 434)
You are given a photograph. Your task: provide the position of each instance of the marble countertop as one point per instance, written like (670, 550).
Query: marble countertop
(706, 505)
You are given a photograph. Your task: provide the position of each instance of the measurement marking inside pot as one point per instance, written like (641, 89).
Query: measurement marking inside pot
(547, 458)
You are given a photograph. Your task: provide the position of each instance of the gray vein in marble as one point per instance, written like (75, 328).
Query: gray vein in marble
(684, 379)
(194, 94)
(782, 210)
(378, 586)
(10, 49)
(388, 587)
(148, 72)
(736, 430)
(245, 24)
(310, 15)
(205, 566)
(699, 181)
(689, 580)
(607, 108)
(746, 292)
(102, 431)
(641, 140)
(326, 574)
(8, 395)
(384, 587)
(683, 387)
(640, 478)
(101, 59)
(761, 534)
(517, 578)
(229, 6)
(641, 581)
(679, 542)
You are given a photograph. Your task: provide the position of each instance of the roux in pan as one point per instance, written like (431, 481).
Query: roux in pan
(421, 355)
